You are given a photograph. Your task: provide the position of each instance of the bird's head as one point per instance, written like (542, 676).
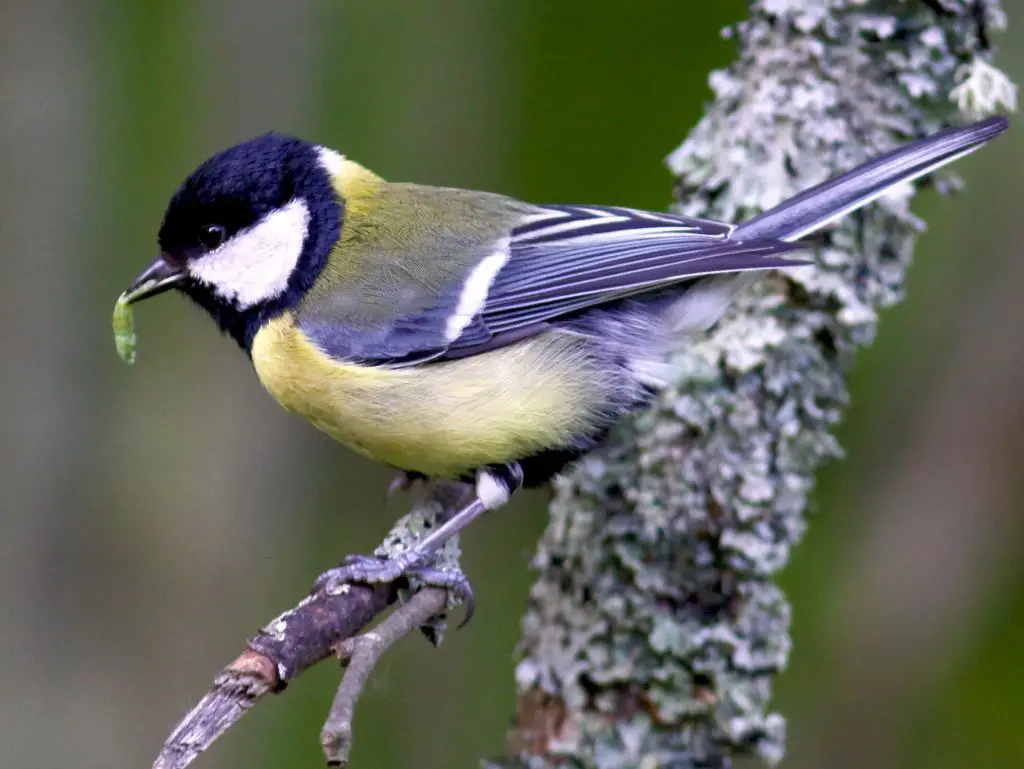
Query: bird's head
(247, 233)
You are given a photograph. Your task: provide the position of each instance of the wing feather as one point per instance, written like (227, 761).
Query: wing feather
(568, 258)
(556, 260)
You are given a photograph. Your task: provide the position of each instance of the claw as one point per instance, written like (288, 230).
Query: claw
(359, 569)
(493, 487)
(454, 582)
(469, 605)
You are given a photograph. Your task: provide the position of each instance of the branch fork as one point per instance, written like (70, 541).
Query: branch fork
(323, 625)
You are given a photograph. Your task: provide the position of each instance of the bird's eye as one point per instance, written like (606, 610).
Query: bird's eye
(212, 236)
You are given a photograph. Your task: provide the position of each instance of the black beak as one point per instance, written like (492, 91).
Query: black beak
(160, 276)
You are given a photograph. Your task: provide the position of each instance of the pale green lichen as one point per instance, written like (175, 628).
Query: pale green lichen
(655, 621)
(983, 89)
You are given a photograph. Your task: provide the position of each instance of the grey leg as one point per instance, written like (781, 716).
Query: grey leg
(493, 488)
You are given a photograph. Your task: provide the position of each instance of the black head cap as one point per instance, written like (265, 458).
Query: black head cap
(233, 191)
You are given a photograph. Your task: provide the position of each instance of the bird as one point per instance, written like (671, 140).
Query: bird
(467, 335)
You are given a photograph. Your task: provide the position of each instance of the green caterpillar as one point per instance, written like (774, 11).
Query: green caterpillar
(124, 330)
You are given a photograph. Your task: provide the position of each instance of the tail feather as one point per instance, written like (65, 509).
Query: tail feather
(819, 206)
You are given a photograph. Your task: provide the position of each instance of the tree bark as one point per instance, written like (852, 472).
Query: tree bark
(655, 629)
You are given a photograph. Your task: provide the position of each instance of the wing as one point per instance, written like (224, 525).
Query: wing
(567, 258)
(501, 286)
(395, 286)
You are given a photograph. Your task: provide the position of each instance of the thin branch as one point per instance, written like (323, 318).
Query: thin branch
(360, 655)
(313, 630)
(290, 644)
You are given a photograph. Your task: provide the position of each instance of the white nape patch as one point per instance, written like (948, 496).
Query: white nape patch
(491, 491)
(331, 161)
(254, 266)
(475, 290)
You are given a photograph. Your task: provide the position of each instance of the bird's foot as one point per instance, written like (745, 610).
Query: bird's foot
(368, 569)
(494, 485)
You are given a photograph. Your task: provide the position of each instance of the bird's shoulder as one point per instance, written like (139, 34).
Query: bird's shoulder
(405, 254)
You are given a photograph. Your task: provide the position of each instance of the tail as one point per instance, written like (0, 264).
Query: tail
(819, 206)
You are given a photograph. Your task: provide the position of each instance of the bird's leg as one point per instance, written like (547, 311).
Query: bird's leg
(494, 486)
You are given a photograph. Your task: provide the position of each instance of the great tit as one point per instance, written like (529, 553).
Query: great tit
(467, 335)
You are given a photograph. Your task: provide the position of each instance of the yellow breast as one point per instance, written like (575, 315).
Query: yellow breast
(442, 419)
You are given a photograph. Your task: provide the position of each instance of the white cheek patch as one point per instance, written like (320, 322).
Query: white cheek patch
(254, 266)
(475, 290)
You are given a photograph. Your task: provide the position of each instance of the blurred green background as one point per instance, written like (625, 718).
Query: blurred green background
(155, 516)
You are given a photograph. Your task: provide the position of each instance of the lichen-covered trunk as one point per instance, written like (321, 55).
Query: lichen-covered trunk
(655, 628)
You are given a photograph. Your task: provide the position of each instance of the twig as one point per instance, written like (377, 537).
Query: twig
(312, 631)
(360, 655)
(290, 644)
